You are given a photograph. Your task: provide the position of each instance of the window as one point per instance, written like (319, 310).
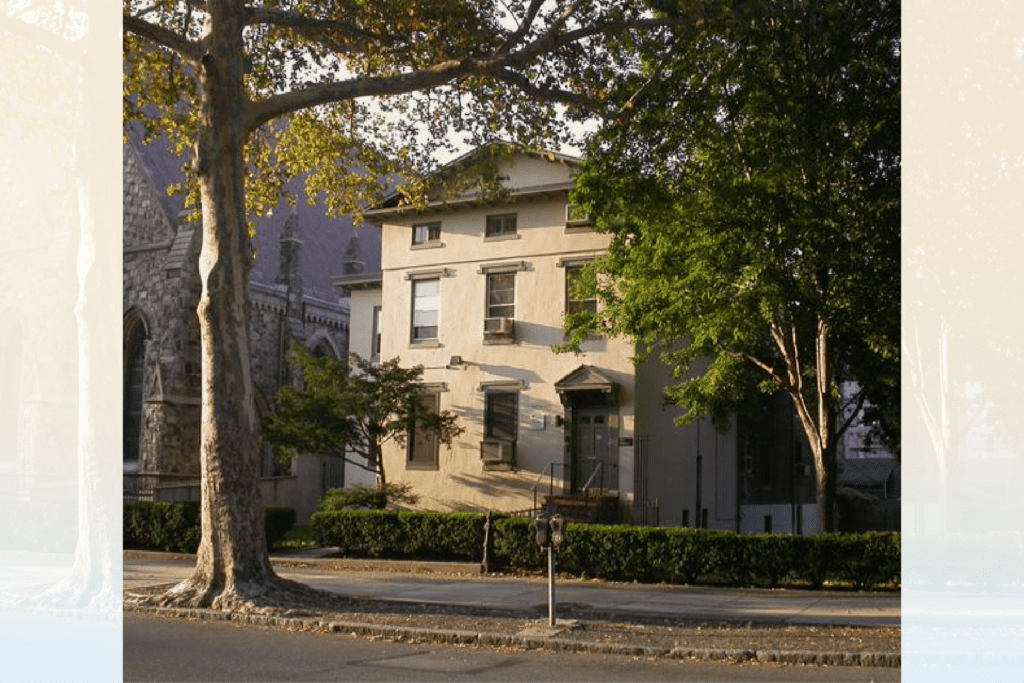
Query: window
(501, 225)
(576, 217)
(426, 233)
(574, 302)
(423, 443)
(501, 415)
(378, 321)
(425, 303)
(134, 364)
(501, 295)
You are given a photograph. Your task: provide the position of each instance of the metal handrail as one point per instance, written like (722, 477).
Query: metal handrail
(550, 471)
(599, 468)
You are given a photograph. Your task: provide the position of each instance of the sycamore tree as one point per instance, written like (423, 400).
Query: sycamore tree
(752, 188)
(354, 409)
(349, 94)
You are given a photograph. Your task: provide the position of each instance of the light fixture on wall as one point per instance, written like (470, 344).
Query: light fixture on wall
(455, 362)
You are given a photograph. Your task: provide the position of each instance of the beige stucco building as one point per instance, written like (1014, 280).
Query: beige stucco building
(475, 290)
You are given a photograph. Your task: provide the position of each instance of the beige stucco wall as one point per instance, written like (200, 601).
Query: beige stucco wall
(361, 304)
(460, 481)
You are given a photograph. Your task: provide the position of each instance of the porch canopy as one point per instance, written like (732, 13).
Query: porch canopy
(586, 378)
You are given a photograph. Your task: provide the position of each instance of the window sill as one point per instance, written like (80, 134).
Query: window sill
(429, 344)
(437, 244)
(433, 466)
(499, 340)
(501, 238)
(573, 229)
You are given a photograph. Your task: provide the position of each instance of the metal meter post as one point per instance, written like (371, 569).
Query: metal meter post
(551, 535)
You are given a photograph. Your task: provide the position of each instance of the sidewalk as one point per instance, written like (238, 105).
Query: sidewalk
(585, 598)
(450, 603)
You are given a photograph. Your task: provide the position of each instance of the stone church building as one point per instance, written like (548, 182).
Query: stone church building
(297, 251)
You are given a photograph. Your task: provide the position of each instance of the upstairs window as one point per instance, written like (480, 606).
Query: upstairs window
(501, 295)
(575, 302)
(378, 321)
(425, 309)
(426, 233)
(501, 225)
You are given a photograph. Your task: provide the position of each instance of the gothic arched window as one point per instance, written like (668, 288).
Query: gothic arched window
(134, 369)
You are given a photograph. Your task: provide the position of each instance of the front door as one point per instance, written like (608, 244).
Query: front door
(596, 450)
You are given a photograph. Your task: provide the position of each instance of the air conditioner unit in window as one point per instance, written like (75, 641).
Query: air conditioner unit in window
(499, 327)
(498, 452)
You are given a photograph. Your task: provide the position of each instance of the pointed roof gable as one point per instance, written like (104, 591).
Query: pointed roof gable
(585, 378)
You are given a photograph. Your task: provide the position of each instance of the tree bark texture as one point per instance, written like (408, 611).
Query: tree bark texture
(232, 563)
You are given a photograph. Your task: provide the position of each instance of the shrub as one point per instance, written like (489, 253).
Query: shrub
(694, 556)
(402, 534)
(365, 497)
(870, 559)
(515, 545)
(175, 527)
(172, 527)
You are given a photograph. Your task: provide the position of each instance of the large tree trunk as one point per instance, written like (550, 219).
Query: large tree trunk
(232, 566)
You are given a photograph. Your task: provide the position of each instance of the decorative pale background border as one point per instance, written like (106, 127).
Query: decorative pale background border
(948, 46)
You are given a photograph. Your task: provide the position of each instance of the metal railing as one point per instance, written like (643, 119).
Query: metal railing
(143, 487)
(597, 470)
(550, 472)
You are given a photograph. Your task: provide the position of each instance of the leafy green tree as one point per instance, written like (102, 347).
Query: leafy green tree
(353, 410)
(752, 188)
(347, 94)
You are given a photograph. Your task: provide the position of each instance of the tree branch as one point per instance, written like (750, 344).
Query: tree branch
(522, 30)
(648, 84)
(310, 27)
(190, 51)
(860, 399)
(520, 81)
(266, 110)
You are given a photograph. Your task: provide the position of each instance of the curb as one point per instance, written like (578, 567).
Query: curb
(453, 637)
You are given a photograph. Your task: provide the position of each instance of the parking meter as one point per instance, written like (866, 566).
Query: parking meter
(558, 536)
(543, 531)
(551, 535)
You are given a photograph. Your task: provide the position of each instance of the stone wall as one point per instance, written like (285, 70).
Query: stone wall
(161, 286)
(161, 290)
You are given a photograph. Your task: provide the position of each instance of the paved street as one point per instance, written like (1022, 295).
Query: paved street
(712, 604)
(159, 649)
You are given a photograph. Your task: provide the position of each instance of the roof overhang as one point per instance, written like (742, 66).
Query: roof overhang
(358, 281)
(522, 195)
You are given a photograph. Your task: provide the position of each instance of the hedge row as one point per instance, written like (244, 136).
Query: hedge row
(675, 555)
(399, 534)
(680, 555)
(175, 527)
